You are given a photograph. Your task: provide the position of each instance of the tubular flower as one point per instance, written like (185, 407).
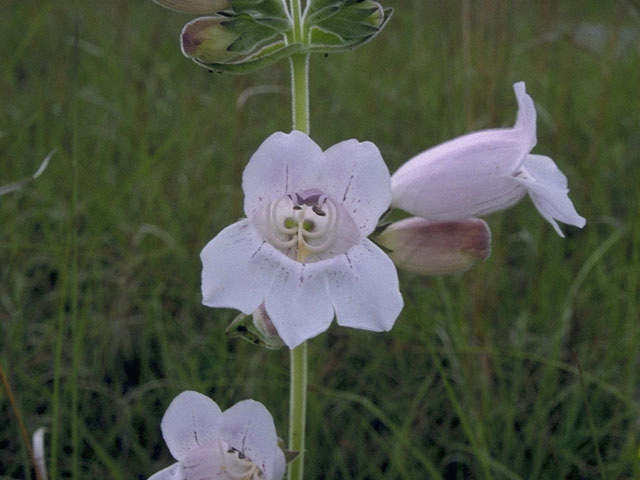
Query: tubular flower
(239, 443)
(484, 172)
(302, 252)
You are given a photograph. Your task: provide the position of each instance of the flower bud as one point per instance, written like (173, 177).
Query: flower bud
(207, 40)
(432, 248)
(197, 7)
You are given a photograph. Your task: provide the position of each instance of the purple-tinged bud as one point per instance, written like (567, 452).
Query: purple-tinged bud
(264, 325)
(207, 40)
(433, 248)
(197, 7)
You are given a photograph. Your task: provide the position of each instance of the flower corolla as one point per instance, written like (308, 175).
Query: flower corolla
(239, 443)
(302, 252)
(484, 172)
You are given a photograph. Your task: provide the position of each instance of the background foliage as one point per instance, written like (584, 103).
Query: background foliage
(526, 367)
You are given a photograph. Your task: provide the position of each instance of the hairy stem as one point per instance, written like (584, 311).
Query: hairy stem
(298, 386)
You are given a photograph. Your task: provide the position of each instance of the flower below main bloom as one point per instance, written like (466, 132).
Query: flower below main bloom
(302, 252)
(239, 443)
(484, 172)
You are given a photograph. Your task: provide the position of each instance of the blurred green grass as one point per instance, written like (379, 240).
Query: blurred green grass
(526, 367)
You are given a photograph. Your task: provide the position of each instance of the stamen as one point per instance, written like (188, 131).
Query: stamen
(237, 465)
(305, 220)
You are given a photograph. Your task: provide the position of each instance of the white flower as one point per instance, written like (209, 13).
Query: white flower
(303, 250)
(483, 172)
(237, 444)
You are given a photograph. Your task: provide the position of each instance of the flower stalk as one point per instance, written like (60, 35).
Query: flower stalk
(300, 91)
(298, 375)
(298, 410)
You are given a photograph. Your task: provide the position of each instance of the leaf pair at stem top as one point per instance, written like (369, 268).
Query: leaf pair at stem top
(242, 36)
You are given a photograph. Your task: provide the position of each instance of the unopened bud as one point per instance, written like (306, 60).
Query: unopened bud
(207, 40)
(432, 248)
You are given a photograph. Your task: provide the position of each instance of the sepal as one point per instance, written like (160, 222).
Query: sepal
(256, 329)
(289, 455)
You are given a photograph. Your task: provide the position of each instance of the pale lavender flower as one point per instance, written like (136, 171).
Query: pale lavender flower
(303, 251)
(239, 443)
(483, 172)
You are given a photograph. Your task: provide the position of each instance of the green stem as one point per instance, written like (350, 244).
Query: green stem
(298, 386)
(298, 410)
(300, 91)
(296, 16)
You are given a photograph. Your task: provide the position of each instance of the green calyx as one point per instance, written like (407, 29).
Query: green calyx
(252, 34)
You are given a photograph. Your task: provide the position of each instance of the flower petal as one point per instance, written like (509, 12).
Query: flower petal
(526, 120)
(248, 427)
(284, 163)
(470, 175)
(433, 248)
(547, 187)
(356, 176)
(363, 284)
(174, 472)
(192, 420)
(237, 268)
(196, 7)
(298, 302)
(279, 465)
(462, 178)
(203, 462)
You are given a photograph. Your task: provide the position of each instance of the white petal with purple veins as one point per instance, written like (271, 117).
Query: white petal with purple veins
(356, 176)
(238, 266)
(284, 163)
(248, 427)
(192, 420)
(363, 284)
(298, 302)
